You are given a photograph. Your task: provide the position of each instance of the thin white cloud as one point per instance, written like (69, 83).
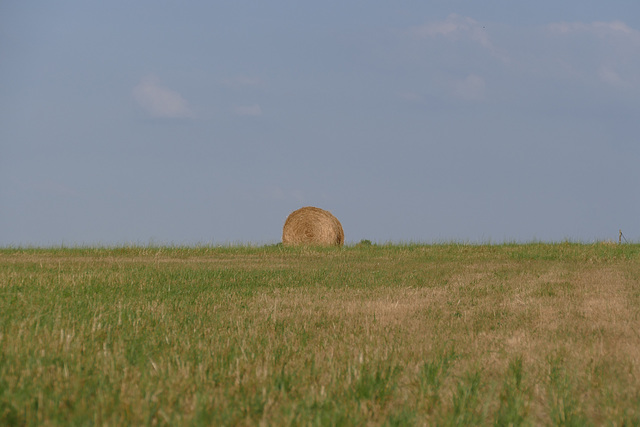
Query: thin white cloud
(472, 88)
(248, 110)
(600, 29)
(613, 51)
(455, 27)
(159, 101)
(458, 28)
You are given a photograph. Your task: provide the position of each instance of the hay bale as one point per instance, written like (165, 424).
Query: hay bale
(312, 226)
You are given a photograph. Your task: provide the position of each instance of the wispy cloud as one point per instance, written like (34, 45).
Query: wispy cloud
(611, 76)
(248, 110)
(589, 54)
(455, 27)
(600, 29)
(160, 101)
(613, 51)
(458, 28)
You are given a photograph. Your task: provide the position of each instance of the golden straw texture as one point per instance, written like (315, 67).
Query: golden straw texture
(312, 226)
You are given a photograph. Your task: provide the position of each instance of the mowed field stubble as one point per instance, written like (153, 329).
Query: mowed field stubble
(448, 334)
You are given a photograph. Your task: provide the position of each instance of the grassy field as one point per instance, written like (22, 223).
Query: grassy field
(449, 334)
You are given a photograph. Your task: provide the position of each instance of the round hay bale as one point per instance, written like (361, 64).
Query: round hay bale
(312, 226)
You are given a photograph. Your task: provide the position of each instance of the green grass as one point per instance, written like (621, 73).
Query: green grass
(449, 334)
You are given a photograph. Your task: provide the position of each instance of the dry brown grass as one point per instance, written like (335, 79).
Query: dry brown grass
(354, 336)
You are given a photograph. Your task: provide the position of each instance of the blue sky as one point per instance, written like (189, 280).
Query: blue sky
(208, 122)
